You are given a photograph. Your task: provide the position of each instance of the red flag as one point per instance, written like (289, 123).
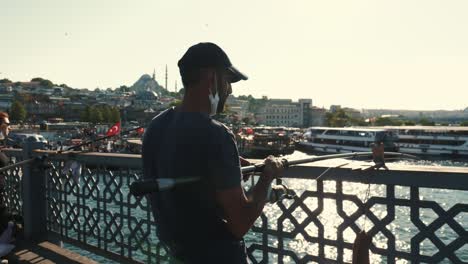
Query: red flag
(114, 130)
(140, 130)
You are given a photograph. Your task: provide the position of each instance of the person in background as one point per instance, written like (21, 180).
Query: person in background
(4, 161)
(378, 155)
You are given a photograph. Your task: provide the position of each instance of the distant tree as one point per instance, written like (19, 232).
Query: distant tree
(46, 83)
(5, 80)
(464, 123)
(106, 114)
(85, 114)
(426, 122)
(388, 121)
(114, 115)
(409, 123)
(256, 104)
(95, 115)
(358, 122)
(340, 118)
(37, 79)
(17, 111)
(123, 89)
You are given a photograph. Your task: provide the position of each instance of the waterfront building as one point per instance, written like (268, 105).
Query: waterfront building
(353, 113)
(317, 116)
(6, 88)
(41, 108)
(6, 100)
(237, 106)
(73, 110)
(42, 90)
(285, 112)
(145, 99)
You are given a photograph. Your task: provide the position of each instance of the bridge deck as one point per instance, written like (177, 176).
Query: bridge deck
(45, 252)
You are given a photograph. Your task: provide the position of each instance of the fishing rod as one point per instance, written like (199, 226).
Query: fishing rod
(140, 188)
(42, 159)
(101, 138)
(286, 163)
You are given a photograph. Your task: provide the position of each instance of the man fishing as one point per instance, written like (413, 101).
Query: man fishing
(203, 221)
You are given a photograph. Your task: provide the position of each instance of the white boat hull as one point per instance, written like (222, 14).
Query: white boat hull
(309, 146)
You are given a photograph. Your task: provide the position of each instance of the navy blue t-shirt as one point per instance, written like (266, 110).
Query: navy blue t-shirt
(188, 145)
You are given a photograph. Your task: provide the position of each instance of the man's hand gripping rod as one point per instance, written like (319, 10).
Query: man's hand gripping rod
(140, 188)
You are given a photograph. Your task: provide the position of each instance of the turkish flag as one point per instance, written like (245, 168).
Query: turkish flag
(114, 130)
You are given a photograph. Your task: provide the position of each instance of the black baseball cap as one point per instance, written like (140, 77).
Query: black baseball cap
(207, 54)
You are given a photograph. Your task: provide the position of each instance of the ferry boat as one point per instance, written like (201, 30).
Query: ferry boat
(346, 139)
(432, 140)
(260, 142)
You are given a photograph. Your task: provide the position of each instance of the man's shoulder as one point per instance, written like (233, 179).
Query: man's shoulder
(162, 117)
(220, 128)
(157, 124)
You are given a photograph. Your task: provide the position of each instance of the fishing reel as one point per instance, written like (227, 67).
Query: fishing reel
(279, 191)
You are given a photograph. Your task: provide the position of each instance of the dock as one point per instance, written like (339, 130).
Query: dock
(45, 252)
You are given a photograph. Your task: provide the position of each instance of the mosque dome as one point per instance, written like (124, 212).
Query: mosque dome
(147, 95)
(146, 83)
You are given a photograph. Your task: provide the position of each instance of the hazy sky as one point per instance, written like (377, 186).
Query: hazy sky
(363, 54)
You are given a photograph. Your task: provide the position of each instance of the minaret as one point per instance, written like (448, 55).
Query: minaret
(166, 79)
(154, 74)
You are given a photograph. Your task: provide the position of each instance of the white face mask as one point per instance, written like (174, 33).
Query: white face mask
(214, 100)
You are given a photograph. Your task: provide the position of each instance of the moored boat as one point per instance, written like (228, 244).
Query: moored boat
(346, 139)
(432, 140)
(260, 142)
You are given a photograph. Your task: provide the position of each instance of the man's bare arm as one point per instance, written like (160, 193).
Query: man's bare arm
(241, 210)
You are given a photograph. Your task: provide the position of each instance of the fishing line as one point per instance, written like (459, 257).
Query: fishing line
(328, 169)
(366, 199)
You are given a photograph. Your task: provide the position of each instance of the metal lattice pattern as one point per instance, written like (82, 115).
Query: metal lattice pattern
(95, 209)
(319, 225)
(304, 222)
(12, 193)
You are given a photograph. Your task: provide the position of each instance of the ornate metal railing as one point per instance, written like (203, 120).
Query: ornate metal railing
(413, 215)
(12, 197)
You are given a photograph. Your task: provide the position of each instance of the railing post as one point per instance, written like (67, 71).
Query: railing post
(34, 195)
